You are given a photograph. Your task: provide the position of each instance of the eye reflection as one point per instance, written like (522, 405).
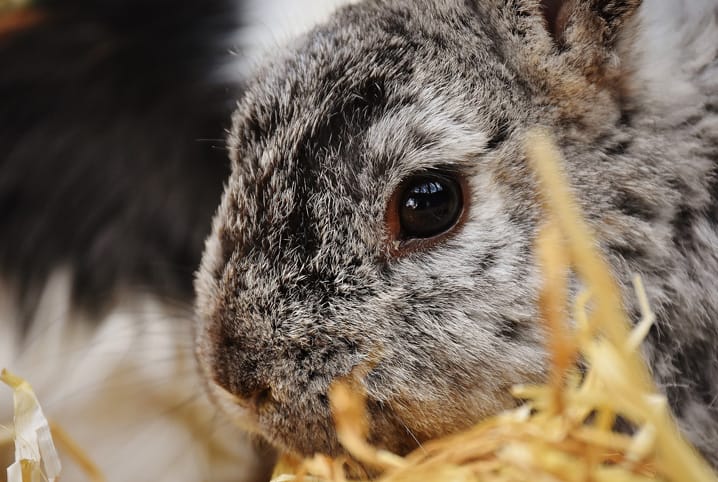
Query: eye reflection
(430, 205)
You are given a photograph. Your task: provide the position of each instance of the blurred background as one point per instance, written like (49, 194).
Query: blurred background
(112, 122)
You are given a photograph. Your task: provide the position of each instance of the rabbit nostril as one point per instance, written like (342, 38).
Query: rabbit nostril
(256, 399)
(260, 397)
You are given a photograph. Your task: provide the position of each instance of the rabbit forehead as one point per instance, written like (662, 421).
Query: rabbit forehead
(354, 110)
(370, 60)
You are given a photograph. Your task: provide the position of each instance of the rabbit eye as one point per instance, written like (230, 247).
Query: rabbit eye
(429, 206)
(425, 207)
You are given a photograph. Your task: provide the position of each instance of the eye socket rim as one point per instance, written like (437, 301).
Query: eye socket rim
(398, 245)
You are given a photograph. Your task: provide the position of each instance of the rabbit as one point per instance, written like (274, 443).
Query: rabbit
(381, 212)
(113, 116)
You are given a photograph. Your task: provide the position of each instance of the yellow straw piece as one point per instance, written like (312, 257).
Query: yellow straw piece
(73, 450)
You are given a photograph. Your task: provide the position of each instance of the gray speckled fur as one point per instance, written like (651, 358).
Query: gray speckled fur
(298, 284)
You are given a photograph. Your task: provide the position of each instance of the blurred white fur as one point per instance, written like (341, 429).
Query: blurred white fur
(272, 24)
(678, 39)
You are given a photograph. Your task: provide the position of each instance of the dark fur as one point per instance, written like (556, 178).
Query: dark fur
(111, 150)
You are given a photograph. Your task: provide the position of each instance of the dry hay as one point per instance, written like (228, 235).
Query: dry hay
(565, 429)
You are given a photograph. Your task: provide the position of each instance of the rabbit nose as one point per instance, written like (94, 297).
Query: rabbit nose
(246, 386)
(255, 398)
(247, 393)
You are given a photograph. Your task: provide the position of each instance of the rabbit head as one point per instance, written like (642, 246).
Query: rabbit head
(380, 215)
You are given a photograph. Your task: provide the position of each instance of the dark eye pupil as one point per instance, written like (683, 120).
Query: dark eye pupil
(429, 206)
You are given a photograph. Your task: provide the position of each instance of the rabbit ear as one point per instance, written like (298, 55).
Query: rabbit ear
(582, 36)
(556, 13)
(586, 24)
